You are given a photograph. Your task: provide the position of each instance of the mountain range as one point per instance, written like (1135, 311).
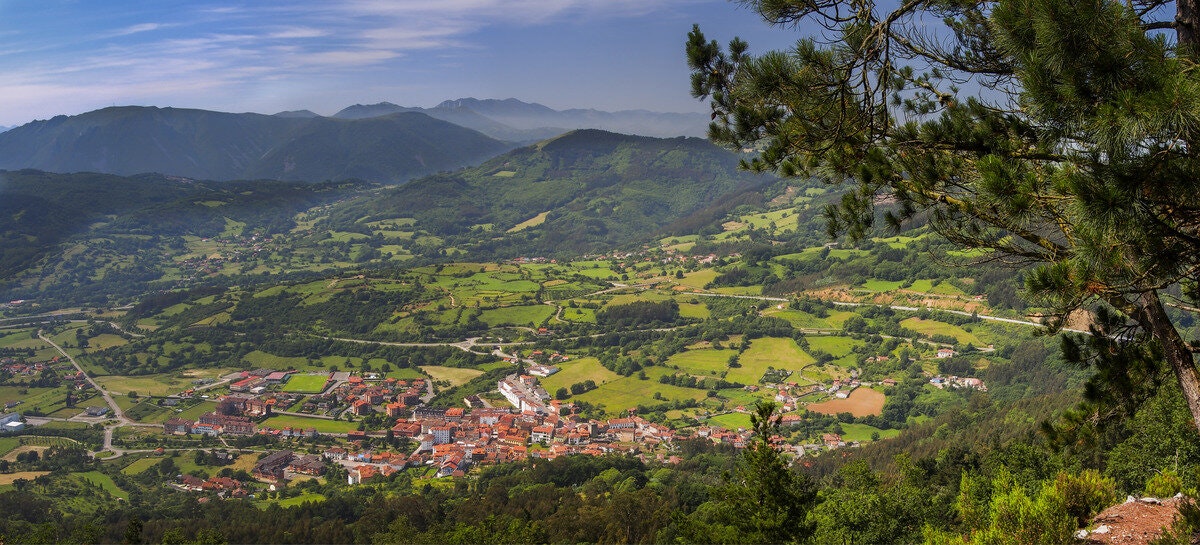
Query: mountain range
(380, 143)
(518, 121)
(224, 146)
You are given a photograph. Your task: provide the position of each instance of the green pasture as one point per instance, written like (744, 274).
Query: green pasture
(104, 481)
(7, 444)
(260, 359)
(862, 432)
(702, 362)
(140, 465)
(836, 346)
(731, 421)
(838, 317)
(698, 279)
(798, 318)
(694, 310)
(875, 284)
(194, 412)
(629, 392)
(456, 376)
(578, 370)
(19, 339)
(780, 353)
(305, 384)
(46, 400)
(303, 498)
(531, 222)
(934, 327)
(518, 315)
(942, 288)
(580, 315)
(899, 241)
(152, 385)
(320, 424)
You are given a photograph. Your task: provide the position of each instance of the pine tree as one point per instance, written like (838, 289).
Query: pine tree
(1052, 134)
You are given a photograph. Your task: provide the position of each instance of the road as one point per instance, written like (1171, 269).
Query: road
(112, 404)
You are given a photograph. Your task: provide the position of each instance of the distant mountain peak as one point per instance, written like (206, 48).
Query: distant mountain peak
(300, 114)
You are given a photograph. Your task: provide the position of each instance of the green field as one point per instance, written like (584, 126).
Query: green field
(140, 466)
(731, 421)
(305, 384)
(836, 346)
(292, 502)
(105, 482)
(578, 371)
(7, 444)
(702, 362)
(799, 319)
(882, 285)
(456, 376)
(628, 392)
(20, 338)
(780, 353)
(694, 310)
(259, 358)
(862, 432)
(519, 315)
(320, 424)
(943, 288)
(151, 385)
(531, 222)
(46, 400)
(934, 327)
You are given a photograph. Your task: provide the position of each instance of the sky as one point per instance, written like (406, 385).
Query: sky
(73, 56)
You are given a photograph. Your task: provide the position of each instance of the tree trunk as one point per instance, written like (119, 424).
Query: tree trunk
(1187, 25)
(1154, 318)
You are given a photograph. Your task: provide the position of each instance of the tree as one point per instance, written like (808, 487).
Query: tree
(769, 501)
(1057, 135)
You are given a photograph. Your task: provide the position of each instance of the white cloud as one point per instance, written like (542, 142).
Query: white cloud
(135, 29)
(231, 50)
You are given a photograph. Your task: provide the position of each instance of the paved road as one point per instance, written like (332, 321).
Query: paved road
(112, 405)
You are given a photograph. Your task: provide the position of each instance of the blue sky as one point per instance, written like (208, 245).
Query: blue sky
(68, 57)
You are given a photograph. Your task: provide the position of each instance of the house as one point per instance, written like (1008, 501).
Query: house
(442, 434)
(307, 465)
(362, 407)
(335, 453)
(542, 434)
(272, 466)
(832, 440)
(361, 473)
(178, 426)
(945, 353)
(97, 411)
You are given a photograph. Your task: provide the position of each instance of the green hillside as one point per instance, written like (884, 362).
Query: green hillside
(593, 190)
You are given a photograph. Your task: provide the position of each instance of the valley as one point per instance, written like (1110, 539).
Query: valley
(594, 296)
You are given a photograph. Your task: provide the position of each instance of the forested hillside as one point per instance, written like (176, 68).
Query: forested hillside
(223, 146)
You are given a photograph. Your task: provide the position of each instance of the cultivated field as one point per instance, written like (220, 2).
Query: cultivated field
(862, 402)
(9, 478)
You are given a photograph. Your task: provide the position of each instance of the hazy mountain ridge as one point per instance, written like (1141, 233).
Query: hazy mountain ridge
(514, 120)
(225, 146)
